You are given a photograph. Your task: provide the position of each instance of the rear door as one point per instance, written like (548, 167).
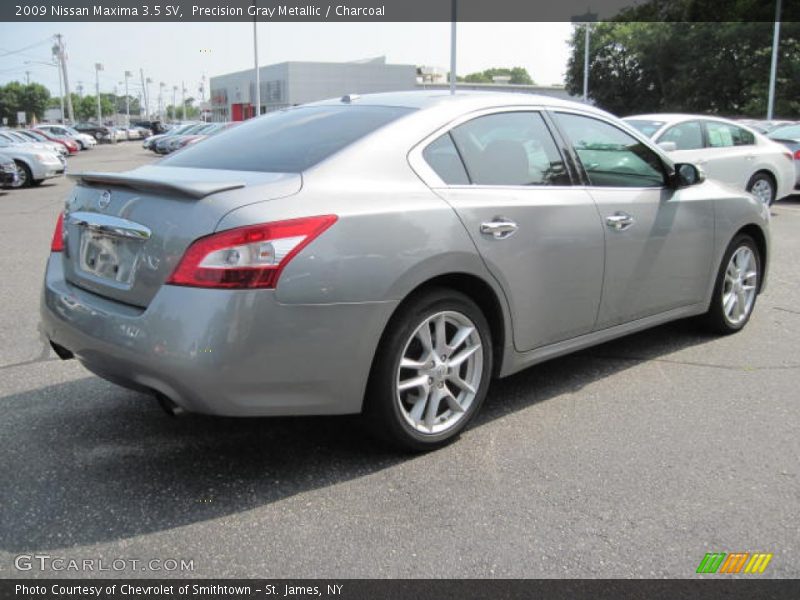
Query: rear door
(659, 241)
(541, 238)
(730, 156)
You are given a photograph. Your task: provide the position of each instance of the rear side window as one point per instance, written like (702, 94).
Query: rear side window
(288, 141)
(442, 156)
(510, 148)
(723, 135)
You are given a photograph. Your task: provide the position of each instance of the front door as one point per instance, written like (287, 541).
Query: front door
(659, 241)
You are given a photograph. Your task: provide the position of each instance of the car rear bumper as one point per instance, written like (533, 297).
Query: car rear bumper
(222, 352)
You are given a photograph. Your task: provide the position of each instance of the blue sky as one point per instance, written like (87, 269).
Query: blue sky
(171, 52)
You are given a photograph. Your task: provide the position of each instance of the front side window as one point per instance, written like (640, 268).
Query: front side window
(610, 156)
(510, 148)
(685, 136)
(723, 135)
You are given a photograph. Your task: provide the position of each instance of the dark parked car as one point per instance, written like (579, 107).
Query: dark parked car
(8, 171)
(101, 133)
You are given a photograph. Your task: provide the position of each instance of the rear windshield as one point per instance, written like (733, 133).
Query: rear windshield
(645, 126)
(287, 141)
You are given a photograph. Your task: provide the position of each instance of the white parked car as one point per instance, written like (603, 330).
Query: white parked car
(84, 140)
(33, 165)
(727, 151)
(16, 137)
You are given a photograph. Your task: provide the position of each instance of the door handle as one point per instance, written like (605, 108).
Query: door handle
(619, 221)
(499, 228)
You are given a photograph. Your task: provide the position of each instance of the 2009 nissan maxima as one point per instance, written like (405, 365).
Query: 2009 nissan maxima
(389, 254)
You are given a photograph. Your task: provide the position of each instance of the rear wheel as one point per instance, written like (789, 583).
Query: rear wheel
(431, 372)
(736, 288)
(762, 186)
(24, 174)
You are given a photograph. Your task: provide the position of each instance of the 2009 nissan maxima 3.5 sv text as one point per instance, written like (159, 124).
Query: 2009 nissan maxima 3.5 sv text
(390, 254)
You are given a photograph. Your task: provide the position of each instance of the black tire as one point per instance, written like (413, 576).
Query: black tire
(763, 178)
(716, 319)
(383, 415)
(24, 173)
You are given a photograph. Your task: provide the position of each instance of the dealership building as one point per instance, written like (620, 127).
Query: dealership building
(292, 83)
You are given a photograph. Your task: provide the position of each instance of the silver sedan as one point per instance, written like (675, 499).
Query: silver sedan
(391, 254)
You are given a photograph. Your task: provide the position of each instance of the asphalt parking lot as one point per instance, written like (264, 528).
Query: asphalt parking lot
(632, 459)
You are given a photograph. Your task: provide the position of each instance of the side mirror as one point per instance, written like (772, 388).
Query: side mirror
(668, 146)
(687, 174)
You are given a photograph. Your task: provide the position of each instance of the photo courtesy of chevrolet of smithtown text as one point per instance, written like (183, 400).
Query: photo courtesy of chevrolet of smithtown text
(363, 299)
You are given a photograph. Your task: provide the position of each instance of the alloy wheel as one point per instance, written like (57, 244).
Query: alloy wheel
(739, 287)
(440, 372)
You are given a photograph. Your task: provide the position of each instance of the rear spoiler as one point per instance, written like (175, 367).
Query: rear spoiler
(192, 189)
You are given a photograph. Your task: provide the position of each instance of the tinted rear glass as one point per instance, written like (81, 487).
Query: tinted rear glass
(288, 141)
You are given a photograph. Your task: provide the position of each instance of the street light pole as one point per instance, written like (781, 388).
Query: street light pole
(255, 61)
(161, 86)
(127, 99)
(586, 20)
(174, 103)
(183, 99)
(97, 68)
(773, 71)
(453, 29)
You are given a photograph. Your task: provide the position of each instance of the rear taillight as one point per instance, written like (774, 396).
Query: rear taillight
(57, 244)
(797, 154)
(247, 257)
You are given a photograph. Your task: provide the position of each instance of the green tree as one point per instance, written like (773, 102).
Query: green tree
(518, 75)
(16, 97)
(705, 67)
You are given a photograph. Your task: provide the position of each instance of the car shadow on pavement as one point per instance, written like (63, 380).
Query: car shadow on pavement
(86, 462)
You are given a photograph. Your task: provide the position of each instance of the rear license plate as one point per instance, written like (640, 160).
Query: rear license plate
(108, 257)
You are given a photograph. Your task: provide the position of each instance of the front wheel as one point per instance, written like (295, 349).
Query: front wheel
(736, 288)
(24, 176)
(431, 372)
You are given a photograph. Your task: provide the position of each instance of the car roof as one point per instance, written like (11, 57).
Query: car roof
(463, 100)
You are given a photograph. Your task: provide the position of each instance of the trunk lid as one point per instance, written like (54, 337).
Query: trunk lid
(125, 232)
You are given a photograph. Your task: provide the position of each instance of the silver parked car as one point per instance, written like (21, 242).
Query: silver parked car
(390, 254)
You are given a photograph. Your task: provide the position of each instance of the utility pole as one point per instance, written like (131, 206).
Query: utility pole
(127, 99)
(27, 77)
(57, 64)
(59, 48)
(255, 60)
(144, 91)
(97, 68)
(773, 71)
(80, 89)
(183, 99)
(174, 103)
